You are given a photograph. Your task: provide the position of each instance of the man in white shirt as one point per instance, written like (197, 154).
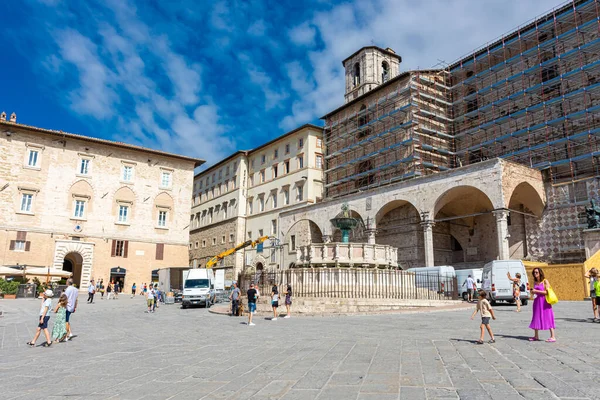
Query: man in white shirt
(470, 287)
(71, 292)
(91, 291)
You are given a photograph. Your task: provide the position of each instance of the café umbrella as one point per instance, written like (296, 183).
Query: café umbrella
(10, 271)
(48, 272)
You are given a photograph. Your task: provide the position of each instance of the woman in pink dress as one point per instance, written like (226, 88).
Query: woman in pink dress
(543, 315)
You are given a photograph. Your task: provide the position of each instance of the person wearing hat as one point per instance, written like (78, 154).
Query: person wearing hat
(91, 291)
(44, 318)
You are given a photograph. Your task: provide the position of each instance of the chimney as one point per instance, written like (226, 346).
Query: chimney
(13, 117)
(3, 116)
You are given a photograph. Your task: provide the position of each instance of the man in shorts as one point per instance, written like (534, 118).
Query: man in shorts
(470, 288)
(252, 297)
(71, 292)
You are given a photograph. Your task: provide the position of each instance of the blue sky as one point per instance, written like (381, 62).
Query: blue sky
(205, 78)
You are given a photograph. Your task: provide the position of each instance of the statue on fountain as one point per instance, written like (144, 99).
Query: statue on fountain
(593, 215)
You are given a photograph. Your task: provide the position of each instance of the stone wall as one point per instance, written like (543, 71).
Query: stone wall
(202, 253)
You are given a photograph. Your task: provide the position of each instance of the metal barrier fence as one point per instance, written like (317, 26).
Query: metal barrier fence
(27, 291)
(355, 283)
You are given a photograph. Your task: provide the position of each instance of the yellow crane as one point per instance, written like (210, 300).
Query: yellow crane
(213, 261)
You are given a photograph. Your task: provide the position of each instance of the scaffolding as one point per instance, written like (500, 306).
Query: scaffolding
(533, 97)
(402, 133)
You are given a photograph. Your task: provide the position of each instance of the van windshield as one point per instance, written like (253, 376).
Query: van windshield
(196, 283)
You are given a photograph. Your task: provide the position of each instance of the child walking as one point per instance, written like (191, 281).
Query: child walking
(484, 307)
(592, 275)
(59, 330)
(43, 319)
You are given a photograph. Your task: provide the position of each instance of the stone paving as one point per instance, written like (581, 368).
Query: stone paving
(122, 353)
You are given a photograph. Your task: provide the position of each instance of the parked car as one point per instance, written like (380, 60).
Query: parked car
(497, 285)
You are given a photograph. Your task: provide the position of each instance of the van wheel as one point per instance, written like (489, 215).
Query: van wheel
(524, 302)
(465, 296)
(183, 306)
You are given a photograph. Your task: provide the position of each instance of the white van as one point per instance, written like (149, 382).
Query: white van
(497, 285)
(439, 279)
(198, 288)
(461, 280)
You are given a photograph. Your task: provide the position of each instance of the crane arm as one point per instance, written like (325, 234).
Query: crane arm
(213, 261)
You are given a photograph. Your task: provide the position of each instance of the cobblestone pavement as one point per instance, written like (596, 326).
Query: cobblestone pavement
(121, 352)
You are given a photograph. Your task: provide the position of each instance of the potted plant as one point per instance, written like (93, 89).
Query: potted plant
(9, 289)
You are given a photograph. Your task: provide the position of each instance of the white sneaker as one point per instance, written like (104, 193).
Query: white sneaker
(251, 324)
(274, 319)
(287, 316)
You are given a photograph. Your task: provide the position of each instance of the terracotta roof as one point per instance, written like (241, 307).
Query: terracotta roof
(197, 161)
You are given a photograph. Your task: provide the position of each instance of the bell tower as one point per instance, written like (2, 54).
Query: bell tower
(368, 68)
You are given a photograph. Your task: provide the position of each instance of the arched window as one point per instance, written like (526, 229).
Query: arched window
(385, 74)
(356, 74)
(366, 179)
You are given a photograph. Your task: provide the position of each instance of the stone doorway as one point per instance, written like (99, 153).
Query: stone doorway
(73, 262)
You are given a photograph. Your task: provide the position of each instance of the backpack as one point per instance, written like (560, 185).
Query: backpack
(522, 288)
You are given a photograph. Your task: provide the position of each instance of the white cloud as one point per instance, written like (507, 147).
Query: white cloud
(258, 28)
(273, 97)
(303, 35)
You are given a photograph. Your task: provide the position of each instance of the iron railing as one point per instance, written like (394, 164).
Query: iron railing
(355, 283)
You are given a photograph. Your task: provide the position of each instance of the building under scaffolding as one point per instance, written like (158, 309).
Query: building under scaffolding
(532, 97)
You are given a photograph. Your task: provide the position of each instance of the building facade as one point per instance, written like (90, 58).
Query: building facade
(241, 197)
(101, 209)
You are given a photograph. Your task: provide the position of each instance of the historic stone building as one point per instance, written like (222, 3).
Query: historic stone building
(241, 197)
(101, 209)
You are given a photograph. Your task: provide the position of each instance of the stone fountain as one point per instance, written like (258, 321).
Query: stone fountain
(345, 222)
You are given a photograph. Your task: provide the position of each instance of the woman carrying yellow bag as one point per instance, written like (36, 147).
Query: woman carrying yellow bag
(543, 315)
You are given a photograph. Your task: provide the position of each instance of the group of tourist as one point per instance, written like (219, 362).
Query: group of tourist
(67, 305)
(542, 318)
(253, 296)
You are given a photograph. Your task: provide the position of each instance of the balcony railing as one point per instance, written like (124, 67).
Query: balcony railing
(347, 255)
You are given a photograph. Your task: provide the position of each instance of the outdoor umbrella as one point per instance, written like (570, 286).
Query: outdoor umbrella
(10, 271)
(47, 271)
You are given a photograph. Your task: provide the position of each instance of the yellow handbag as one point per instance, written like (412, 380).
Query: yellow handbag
(551, 297)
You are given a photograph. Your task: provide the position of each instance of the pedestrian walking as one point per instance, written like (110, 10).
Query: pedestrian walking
(133, 290)
(470, 282)
(59, 330)
(516, 284)
(109, 290)
(150, 300)
(274, 301)
(235, 299)
(543, 314)
(91, 292)
(44, 317)
(597, 292)
(288, 300)
(72, 294)
(101, 289)
(484, 307)
(252, 298)
(592, 275)
(145, 290)
(116, 290)
(156, 297)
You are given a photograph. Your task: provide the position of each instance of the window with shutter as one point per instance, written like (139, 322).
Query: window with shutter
(21, 235)
(27, 246)
(126, 247)
(160, 248)
(114, 246)
(12, 245)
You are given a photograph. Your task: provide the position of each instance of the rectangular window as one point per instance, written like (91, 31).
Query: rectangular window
(227, 171)
(231, 238)
(84, 166)
(293, 242)
(275, 171)
(262, 176)
(79, 209)
(300, 162)
(263, 159)
(214, 241)
(261, 204)
(160, 250)
(123, 213)
(300, 143)
(300, 196)
(286, 167)
(162, 219)
(119, 248)
(207, 181)
(260, 233)
(210, 216)
(250, 208)
(222, 239)
(26, 201)
(165, 180)
(286, 197)
(287, 148)
(249, 235)
(319, 161)
(274, 197)
(214, 178)
(200, 185)
(220, 173)
(204, 243)
(226, 186)
(233, 182)
(196, 245)
(127, 173)
(224, 211)
(32, 160)
(19, 245)
(319, 143)
(273, 227)
(275, 153)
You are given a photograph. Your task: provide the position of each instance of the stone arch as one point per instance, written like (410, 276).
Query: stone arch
(123, 195)
(163, 202)
(67, 249)
(80, 190)
(465, 214)
(398, 225)
(526, 196)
